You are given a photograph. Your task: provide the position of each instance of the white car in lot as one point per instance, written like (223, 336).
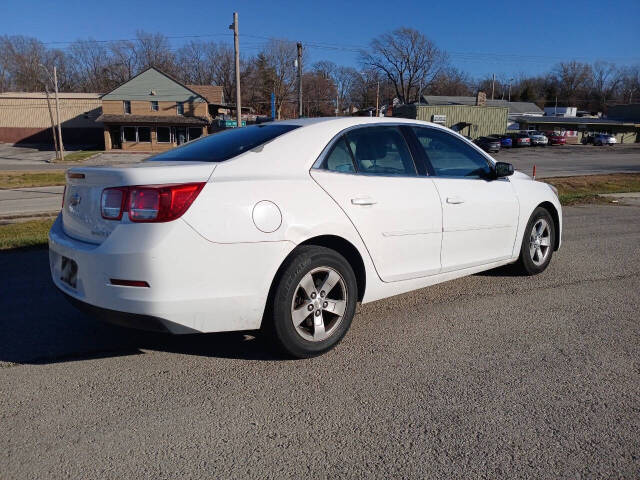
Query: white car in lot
(285, 226)
(538, 138)
(604, 139)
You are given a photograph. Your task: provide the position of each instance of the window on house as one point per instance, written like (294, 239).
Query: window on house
(180, 108)
(154, 106)
(164, 134)
(129, 134)
(126, 104)
(144, 134)
(194, 133)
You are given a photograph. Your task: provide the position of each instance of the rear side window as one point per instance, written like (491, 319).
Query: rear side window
(224, 145)
(339, 159)
(450, 156)
(381, 151)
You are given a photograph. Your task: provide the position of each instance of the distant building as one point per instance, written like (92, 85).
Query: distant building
(155, 112)
(472, 121)
(561, 111)
(25, 118)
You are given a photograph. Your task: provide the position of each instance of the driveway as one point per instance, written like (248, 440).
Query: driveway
(489, 376)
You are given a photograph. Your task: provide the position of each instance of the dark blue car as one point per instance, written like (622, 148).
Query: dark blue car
(505, 141)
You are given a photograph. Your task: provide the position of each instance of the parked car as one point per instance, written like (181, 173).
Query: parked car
(588, 138)
(538, 138)
(520, 140)
(505, 140)
(604, 139)
(556, 139)
(488, 144)
(283, 227)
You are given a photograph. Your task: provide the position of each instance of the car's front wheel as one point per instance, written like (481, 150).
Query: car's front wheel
(313, 302)
(538, 243)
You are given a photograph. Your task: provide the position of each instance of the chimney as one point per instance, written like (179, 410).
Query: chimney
(481, 99)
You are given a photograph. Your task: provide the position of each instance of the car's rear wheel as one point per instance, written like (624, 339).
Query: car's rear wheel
(537, 244)
(313, 302)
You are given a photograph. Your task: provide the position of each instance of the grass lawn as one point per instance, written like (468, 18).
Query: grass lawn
(585, 189)
(79, 155)
(25, 234)
(15, 179)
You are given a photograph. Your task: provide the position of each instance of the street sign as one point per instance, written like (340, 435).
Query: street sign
(439, 118)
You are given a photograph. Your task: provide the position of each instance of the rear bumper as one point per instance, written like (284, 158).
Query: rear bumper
(122, 319)
(194, 285)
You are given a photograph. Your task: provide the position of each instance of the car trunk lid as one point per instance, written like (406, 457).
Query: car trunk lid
(81, 213)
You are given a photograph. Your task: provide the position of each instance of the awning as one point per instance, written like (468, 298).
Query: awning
(152, 120)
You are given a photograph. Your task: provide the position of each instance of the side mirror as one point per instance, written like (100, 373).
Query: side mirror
(503, 169)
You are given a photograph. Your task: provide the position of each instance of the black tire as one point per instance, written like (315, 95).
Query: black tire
(526, 264)
(278, 322)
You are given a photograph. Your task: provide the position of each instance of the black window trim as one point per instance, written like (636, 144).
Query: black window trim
(320, 162)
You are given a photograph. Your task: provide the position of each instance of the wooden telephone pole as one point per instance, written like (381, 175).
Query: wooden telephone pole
(236, 45)
(55, 85)
(299, 79)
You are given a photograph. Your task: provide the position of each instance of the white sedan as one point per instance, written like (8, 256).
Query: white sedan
(285, 226)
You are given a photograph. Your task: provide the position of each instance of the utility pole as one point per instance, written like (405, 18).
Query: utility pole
(53, 124)
(337, 103)
(236, 46)
(377, 98)
(300, 79)
(493, 84)
(55, 84)
(555, 110)
(510, 80)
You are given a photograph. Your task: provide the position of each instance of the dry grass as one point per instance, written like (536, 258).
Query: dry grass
(25, 234)
(41, 178)
(586, 188)
(80, 155)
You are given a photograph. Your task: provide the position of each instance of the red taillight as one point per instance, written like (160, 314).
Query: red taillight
(153, 203)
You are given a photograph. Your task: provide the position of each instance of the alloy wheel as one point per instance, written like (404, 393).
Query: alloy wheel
(319, 304)
(540, 242)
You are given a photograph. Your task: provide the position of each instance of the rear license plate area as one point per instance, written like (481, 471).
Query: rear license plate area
(69, 271)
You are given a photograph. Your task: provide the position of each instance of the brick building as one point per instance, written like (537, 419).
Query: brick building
(155, 112)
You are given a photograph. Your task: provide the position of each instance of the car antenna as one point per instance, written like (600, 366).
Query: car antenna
(534, 171)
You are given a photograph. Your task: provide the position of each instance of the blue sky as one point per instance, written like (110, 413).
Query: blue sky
(527, 38)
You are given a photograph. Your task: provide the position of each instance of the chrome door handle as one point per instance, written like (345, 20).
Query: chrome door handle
(363, 201)
(455, 200)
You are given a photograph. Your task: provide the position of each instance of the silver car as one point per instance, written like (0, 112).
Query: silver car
(538, 138)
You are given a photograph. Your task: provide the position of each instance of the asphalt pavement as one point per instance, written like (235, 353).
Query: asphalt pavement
(489, 376)
(569, 160)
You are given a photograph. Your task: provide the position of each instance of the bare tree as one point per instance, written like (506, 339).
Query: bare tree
(88, 60)
(630, 84)
(407, 58)
(572, 79)
(154, 50)
(343, 79)
(276, 71)
(123, 62)
(604, 83)
(451, 81)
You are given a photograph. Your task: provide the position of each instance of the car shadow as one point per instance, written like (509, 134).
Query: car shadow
(504, 271)
(39, 326)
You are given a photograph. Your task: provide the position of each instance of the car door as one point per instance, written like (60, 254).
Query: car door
(371, 175)
(479, 213)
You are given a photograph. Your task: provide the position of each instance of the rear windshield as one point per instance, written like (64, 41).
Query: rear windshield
(224, 145)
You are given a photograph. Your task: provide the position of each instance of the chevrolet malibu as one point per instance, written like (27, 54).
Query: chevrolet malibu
(283, 227)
